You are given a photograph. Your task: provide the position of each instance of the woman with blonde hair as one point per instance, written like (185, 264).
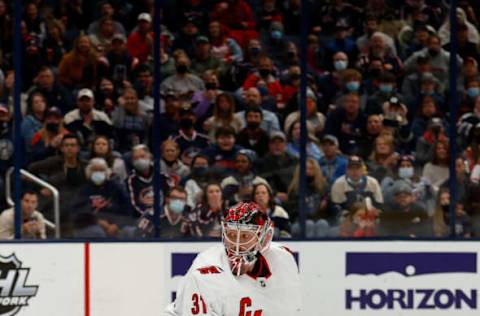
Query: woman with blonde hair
(383, 159)
(316, 201)
(223, 116)
(78, 68)
(171, 163)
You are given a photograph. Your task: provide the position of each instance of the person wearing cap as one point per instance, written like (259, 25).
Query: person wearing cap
(203, 59)
(187, 136)
(404, 216)
(183, 82)
(86, 120)
(332, 163)
(253, 136)
(46, 141)
(140, 41)
(78, 68)
(355, 186)
(120, 63)
(130, 122)
(185, 39)
(239, 186)
(277, 165)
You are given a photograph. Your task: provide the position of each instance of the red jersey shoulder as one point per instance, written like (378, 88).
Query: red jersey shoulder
(210, 270)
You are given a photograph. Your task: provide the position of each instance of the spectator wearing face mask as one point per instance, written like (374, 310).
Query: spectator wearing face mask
(182, 82)
(352, 83)
(355, 186)
(331, 83)
(387, 89)
(253, 136)
(197, 180)
(266, 78)
(188, 137)
(140, 182)
(46, 141)
(174, 221)
(103, 199)
(421, 187)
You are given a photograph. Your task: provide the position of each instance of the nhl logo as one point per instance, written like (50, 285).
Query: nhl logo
(14, 293)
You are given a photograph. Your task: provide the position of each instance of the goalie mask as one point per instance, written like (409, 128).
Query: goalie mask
(246, 231)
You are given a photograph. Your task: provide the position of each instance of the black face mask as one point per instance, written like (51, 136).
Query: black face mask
(290, 55)
(433, 52)
(182, 69)
(253, 125)
(211, 86)
(295, 76)
(52, 127)
(446, 209)
(199, 172)
(264, 72)
(375, 72)
(186, 123)
(254, 51)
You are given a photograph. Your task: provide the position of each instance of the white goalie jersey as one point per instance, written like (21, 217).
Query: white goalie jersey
(210, 288)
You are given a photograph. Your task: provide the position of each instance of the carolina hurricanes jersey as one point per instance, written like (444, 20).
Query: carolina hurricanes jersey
(210, 288)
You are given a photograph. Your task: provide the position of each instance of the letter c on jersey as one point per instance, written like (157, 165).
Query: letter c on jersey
(247, 302)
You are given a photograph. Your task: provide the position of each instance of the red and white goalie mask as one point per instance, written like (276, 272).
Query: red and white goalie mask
(246, 231)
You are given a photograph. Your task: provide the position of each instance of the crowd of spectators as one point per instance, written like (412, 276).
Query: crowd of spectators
(377, 104)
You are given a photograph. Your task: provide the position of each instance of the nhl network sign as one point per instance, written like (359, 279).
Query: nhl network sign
(14, 293)
(410, 281)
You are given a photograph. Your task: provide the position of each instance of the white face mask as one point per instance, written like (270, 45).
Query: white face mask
(176, 206)
(340, 64)
(141, 164)
(98, 177)
(405, 173)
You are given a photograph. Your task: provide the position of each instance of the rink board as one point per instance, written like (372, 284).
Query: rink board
(338, 277)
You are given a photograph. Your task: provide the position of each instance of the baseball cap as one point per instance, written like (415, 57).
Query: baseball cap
(120, 37)
(85, 93)
(330, 138)
(401, 187)
(53, 111)
(355, 161)
(202, 40)
(4, 108)
(145, 17)
(278, 135)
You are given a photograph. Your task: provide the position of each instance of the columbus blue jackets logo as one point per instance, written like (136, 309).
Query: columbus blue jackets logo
(438, 281)
(14, 291)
